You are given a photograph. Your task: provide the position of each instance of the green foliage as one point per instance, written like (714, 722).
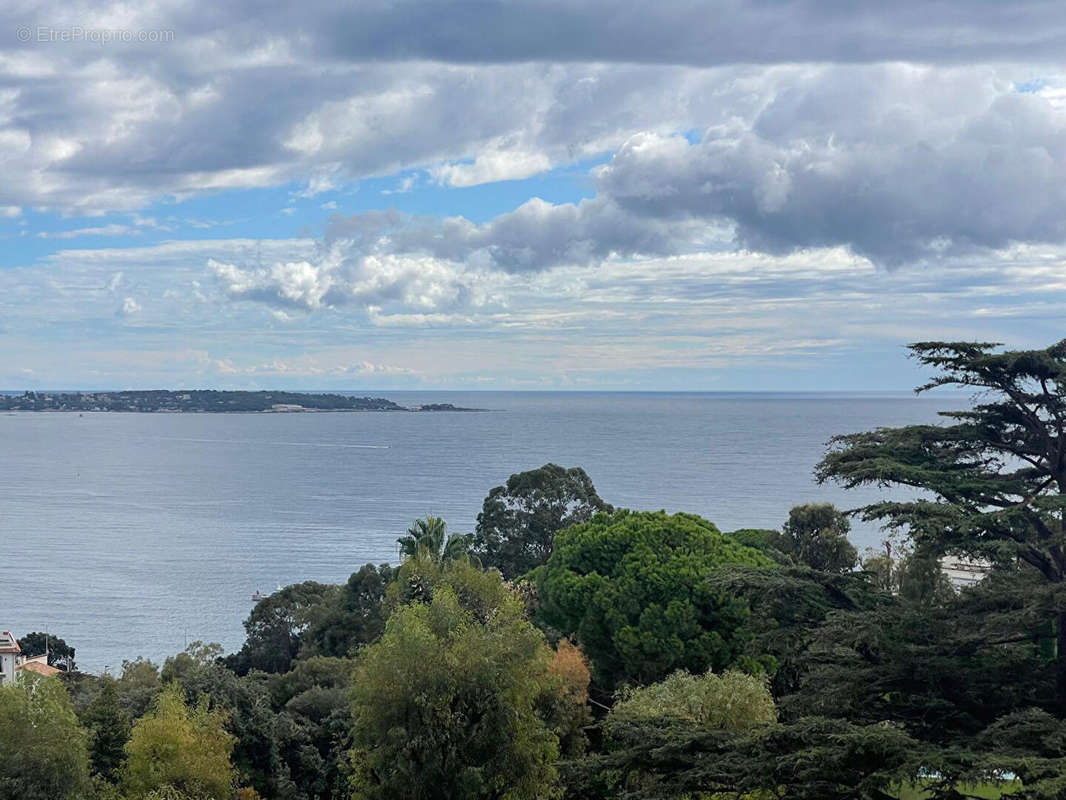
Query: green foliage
(60, 654)
(137, 686)
(43, 752)
(765, 540)
(633, 588)
(291, 728)
(788, 604)
(943, 673)
(732, 701)
(175, 748)
(816, 534)
(353, 617)
(446, 704)
(806, 759)
(428, 538)
(195, 655)
(479, 592)
(915, 576)
(994, 480)
(109, 730)
(276, 624)
(518, 522)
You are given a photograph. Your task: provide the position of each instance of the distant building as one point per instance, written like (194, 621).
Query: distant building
(963, 572)
(12, 661)
(38, 665)
(10, 657)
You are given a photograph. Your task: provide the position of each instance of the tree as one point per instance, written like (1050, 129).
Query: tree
(446, 703)
(276, 625)
(518, 521)
(354, 617)
(912, 575)
(565, 704)
(137, 686)
(808, 759)
(314, 725)
(633, 589)
(244, 703)
(684, 708)
(788, 605)
(816, 534)
(428, 538)
(60, 654)
(109, 730)
(994, 478)
(195, 655)
(179, 748)
(732, 701)
(43, 753)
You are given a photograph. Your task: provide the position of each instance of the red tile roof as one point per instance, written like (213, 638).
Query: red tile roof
(39, 668)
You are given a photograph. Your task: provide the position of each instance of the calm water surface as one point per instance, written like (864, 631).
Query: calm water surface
(131, 534)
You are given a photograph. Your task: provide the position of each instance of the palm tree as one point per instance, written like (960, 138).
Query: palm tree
(428, 538)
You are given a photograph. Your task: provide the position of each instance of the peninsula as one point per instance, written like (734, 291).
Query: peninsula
(206, 401)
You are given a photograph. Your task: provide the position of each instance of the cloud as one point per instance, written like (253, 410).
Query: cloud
(305, 98)
(113, 229)
(900, 164)
(341, 274)
(492, 167)
(497, 31)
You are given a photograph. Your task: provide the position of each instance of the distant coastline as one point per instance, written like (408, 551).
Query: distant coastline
(208, 401)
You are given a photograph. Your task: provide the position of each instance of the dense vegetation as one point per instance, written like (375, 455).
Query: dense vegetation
(203, 401)
(566, 649)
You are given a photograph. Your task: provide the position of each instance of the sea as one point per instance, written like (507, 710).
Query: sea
(135, 534)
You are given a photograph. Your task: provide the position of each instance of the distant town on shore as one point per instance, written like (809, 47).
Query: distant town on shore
(206, 401)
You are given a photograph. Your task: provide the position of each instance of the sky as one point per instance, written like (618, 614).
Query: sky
(548, 194)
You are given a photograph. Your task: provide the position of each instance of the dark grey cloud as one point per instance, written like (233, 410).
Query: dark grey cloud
(258, 94)
(891, 162)
(689, 32)
(896, 163)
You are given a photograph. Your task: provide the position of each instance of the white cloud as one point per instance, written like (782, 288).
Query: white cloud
(113, 229)
(491, 167)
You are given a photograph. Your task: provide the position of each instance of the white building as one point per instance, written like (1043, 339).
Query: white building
(12, 661)
(964, 572)
(10, 657)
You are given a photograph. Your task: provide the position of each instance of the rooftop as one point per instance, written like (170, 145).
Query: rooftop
(39, 668)
(8, 643)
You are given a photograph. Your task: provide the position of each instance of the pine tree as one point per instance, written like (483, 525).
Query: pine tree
(109, 730)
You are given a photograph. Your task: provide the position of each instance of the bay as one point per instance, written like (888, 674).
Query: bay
(133, 534)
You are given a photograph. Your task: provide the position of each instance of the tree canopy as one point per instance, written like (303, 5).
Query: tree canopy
(994, 478)
(276, 625)
(428, 538)
(43, 748)
(518, 521)
(181, 748)
(816, 534)
(633, 589)
(109, 730)
(60, 654)
(446, 704)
